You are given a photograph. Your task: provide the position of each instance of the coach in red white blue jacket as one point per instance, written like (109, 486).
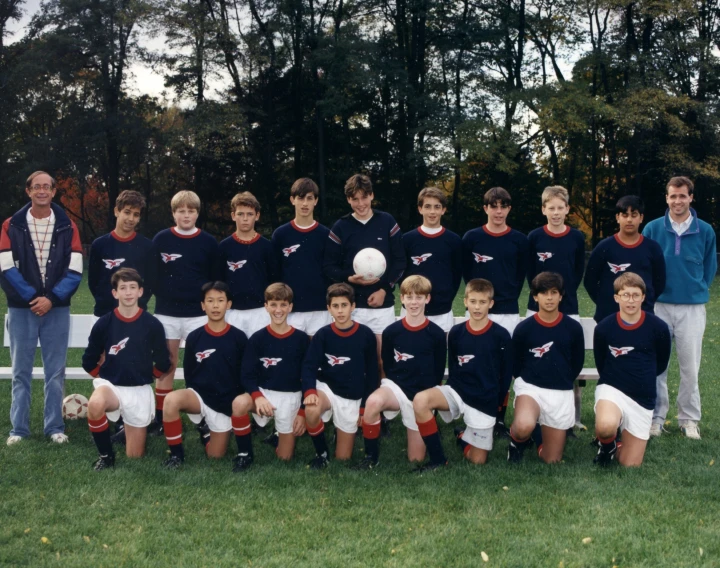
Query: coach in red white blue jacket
(40, 269)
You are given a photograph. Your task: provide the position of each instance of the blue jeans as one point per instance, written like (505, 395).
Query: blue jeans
(52, 329)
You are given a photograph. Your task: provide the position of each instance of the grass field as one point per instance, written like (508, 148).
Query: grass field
(663, 514)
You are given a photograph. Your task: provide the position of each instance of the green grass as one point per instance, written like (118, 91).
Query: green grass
(285, 515)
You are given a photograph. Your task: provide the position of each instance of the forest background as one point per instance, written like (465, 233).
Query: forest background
(605, 97)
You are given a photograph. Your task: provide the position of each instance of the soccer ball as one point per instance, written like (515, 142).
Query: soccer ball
(74, 407)
(369, 263)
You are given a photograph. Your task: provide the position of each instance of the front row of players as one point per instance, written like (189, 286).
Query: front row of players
(280, 374)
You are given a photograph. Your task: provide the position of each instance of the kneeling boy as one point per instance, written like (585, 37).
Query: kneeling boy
(122, 347)
(212, 362)
(632, 347)
(344, 354)
(480, 369)
(271, 379)
(549, 351)
(413, 357)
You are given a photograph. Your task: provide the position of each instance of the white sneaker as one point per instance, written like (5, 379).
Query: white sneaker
(691, 430)
(656, 430)
(13, 440)
(59, 438)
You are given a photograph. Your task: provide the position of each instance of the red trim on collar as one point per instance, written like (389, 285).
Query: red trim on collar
(122, 318)
(423, 325)
(431, 236)
(217, 333)
(117, 237)
(505, 232)
(277, 335)
(623, 245)
(637, 324)
(480, 331)
(345, 332)
(546, 324)
(556, 235)
(195, 234)
(255, 239)
(304, 229)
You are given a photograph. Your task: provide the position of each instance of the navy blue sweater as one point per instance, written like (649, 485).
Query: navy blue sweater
(184, 264)
(273, 361)
(131, 346)
(346, 359)
(212, 365)
(500, 258)
(564, 254)
(480, 364)
(549, 355)
(438, 258)
(610, 259)
(110, 253)
(414, 357)
(349, 236)
(249, 267)
(630, 357)
(301, 252)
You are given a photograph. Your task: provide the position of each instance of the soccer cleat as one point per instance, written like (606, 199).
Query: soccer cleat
(272, 440)
(119, 436)
(204, 431)
(690, 430)
(500, 430)
(656, 430)
(606, 456)
(516, 451)
(570, 433)
(319, 462)
(580, 426)
(429, 467)
(155, 429)
(59, 438)
(12, 440)
(241, 462)
(173, 462)
(366, 464)
(104, 462)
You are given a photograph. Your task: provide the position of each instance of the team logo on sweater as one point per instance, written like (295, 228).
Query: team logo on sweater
(402, 356)
(169, 257)
(481, 257)
(204, 355)
(543, 256)
(418, 260)
(336, 360)
(617, 351)
(615, 268)
(110, 263)
(115, 349)
(465, 359)
(270, 361)
(233, 266)
(288, 251)
(540, 351)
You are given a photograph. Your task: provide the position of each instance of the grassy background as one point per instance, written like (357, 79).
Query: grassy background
(664, 514)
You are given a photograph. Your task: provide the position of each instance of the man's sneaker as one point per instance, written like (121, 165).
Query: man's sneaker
(690, 430)
(119, 436)
(606, 456)
(61, 438)
(656, 429)
(500, 430)
(155, 429)
(173, 462)
(13, 440)
(104, 462)
(516, 451)
(241, 462)
(366, 464)
(204, 431)
(272, 440)
(319, 462)
(429, 467)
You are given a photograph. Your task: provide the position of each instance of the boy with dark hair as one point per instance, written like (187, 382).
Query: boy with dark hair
(250, 266)
(436, 253)
(626, 250)
(480, 369)
(212, 362)
(339, 373)
(122, 348)
(271, 378)
(549, 351)
(413, 354)
(300, 248)
(631, 349)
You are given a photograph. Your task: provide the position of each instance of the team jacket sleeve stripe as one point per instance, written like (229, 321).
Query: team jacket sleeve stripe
(335, 238)
(68, 285)
(7, 265)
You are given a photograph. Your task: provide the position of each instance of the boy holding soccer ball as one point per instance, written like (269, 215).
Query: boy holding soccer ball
(126, 350)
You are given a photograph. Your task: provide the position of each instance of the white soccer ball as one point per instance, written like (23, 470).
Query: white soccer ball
(74, 406)
(369, 263)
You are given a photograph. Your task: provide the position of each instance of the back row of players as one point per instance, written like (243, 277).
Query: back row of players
(305, 256)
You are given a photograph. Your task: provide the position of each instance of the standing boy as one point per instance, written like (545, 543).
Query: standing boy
(480, 369)
(549, 353)
(339, 373)
(212, 363)
(434, 252)
(300, 248)
(631, 349)
(122, 348)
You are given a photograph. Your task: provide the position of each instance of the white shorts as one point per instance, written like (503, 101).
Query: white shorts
(557, 407)
(286, 406)
(248, 321)
(376, 319)
(137, 404)
(216, 421)
(445, 321)
(309, 322)
(406, 408)
(531, 313)
(479, 431)
(343, 411)
(635, 419)
(180, 328)
(508, 321)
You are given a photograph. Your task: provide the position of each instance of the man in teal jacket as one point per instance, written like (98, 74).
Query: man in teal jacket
(689, 248)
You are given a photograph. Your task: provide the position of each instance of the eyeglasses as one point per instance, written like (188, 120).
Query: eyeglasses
(45, 186)
(625, 296)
